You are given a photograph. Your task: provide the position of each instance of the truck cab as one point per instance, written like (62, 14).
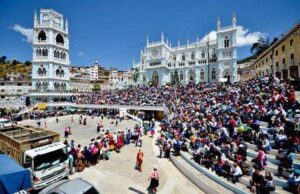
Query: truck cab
(47, 164)
(4, 123)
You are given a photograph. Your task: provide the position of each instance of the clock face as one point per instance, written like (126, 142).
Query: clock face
(45, 17)
(155, 53)
(57, 20)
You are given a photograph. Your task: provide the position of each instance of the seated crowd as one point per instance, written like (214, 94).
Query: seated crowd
(218, 121)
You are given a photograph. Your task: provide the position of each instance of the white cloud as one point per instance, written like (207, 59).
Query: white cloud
(243, 37)
(80, 53)
(27, 32)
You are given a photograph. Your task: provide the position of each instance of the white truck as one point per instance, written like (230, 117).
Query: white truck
(39, 150)
(4, 123)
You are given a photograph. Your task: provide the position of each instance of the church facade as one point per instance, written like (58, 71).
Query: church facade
(51, 64)
(201, 61)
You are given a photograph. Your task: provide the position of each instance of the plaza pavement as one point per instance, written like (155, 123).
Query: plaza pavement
(118, 175)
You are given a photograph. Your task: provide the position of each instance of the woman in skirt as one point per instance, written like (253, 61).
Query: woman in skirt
(154, 180)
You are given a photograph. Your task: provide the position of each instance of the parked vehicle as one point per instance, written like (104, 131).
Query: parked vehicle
(4, 123)
(75, 186)
(37, 149)
(13, 177)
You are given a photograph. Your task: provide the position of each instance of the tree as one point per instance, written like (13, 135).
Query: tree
(135, 75)
(96, 87)
(3, 59)
(273, 41)
(261, 45)
(27, 63)
(15, 62)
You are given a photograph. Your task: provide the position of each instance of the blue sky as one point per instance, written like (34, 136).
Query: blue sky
(114, 31)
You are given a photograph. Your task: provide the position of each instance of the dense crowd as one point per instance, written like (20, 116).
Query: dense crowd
(217, 120)
(100, 147)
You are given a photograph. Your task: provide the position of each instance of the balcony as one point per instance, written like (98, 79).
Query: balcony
(42, 41)
(181, 64)
(155, 63)
(214, 59)
(191, 63)
(202, 61)
(60, 44)
(41, 58)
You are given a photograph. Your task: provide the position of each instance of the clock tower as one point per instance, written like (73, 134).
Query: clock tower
(51, 64)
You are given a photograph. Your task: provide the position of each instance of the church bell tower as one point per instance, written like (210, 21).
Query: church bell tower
(50, 58)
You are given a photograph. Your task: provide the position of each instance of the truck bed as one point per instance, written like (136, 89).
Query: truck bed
(19, 138)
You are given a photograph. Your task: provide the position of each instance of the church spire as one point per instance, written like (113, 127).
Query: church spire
(162, 37)
(35, 19)
(66, 26)
(147, 40)
(233, 20)
(178, 43)
(218, 24)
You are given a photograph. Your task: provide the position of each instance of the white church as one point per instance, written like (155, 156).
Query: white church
(51, 64)
(200, 61)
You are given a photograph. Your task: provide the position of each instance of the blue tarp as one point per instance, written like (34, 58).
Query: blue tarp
(13, 177)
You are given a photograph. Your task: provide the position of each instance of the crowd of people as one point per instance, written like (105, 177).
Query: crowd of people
(100, 147)
(217, 120)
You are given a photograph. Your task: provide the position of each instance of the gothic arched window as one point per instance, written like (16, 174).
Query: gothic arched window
(202, 54)
(226, 42)
(213, 74)
(172, 77)
(45, 52)
(193, 56)
(42, 36)
(62, 73)
(183, 57)
(57, 72)
(202, 75)
(38, 52)
(181, 76)
(174, 57)
(59, 39)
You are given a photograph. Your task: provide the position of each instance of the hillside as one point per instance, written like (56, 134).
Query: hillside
(19, 68)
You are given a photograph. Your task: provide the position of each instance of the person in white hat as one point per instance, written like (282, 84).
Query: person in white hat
(154, 179)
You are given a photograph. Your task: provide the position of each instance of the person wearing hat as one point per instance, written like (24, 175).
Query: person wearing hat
(294, 181)
(154, 180)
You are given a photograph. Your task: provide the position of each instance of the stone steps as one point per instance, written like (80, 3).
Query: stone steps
(279, 182)
(236, 188)
(198, 178)
(271, 152)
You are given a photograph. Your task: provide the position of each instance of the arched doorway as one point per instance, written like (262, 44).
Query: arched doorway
(227, 75)
(155, 78)
(191, 75)
(284, 74)
(294, 72)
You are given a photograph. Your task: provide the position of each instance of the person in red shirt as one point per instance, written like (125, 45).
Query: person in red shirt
(139, 160)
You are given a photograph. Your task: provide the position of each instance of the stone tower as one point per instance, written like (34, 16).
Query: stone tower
(227, 51)
(50, 59)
